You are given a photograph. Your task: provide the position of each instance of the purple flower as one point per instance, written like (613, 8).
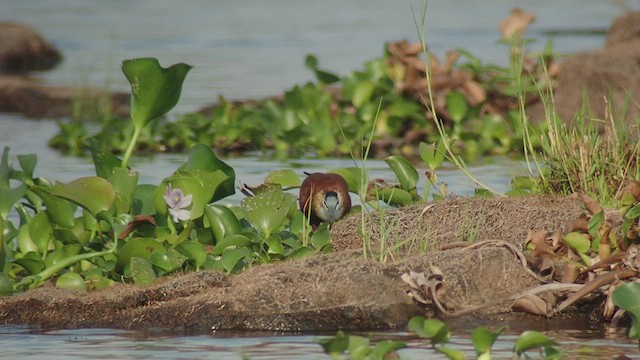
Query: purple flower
(177, 203)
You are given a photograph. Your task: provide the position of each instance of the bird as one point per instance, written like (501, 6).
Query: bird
(324, 197)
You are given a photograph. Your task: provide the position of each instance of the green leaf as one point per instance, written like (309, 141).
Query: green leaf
(523, 183)
(456, 105)
(203, 160)
(594, 223)
(10, 196)
(356, 180)
(5, 170)
(633, 213)
(274, 245)
(267, 211)
(194, 251)
(321, 238)
(284, 178)
(392, 196)
(222, 220)
(433, 329)
(432, 155)
(386, 347)
(405, 172)
(452, 354)
(577, 241)
(71, 281)
(103, 161)
(60, 211)
(627, 297)
(124, 183)
(336, 344)
(483, 339)
(232, 256)
(231, 241)
(28, 164)
(143, 200)
(94, 194)
(530, 340)
(32, 262)
(169, 261)
(142, 271)
(154, 90)
(138, 247)
(362, 93)
(6, 285)
(40, 231)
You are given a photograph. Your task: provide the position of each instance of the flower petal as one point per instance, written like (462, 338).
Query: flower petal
(184, 202)
(180, 214)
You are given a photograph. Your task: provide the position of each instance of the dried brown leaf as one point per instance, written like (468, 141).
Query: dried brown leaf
(580, 224)
(516, 23)
(593, 206)
(539, 241)
(633, 187)
(531, 304)
(568, 273)
(475, 93)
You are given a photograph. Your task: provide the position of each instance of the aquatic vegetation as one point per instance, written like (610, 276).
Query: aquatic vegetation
(437, 332)
(334, 114)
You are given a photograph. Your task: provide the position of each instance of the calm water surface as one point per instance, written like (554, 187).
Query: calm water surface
(253, 48)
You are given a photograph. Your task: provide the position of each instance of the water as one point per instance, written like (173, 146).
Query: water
(250, 49)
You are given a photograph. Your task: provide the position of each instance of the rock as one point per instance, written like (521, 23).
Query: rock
(607, 77)
(31, 98)
(24, 50)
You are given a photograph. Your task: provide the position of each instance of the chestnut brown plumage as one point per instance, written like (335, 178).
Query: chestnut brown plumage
(324, 197)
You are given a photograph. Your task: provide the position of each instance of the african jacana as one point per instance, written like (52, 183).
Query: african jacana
(324, 197)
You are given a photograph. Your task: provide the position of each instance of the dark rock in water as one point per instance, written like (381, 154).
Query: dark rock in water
(607, 77)
(23, 50)
(32, 98)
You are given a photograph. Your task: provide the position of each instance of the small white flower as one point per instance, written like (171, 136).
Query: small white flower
(177, 203)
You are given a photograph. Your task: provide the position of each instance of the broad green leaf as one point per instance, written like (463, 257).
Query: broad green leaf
(321, 238)
(25, 243)
(60, 211)
(531, 340)
(336, 344)
(577, 241)
(456, 105)
(362, 93)
(302, 252)
(10, 196)
(32, 262)
(633, 213)
(154, 90)
(433, 329)
(94, 194)
(124, 184)
(202, 160)
(392, 196)
(385, 347)
(59, 254)
(222, 220)
(40, 231)
(284, 178)
(6, 285)
(358, 344)
(103, 161)
(627, 297)
(523, 183)
(452, 354)
(141, 271)
(311, 62)
(140, 247)
(5, 170)
(432, 155)
(356, 180)
(143, 200)
(169, 261)
(231, 241)
(232, 256)
(267, 211)
(483, 339)
(405, 172)
(274, 245)
(194, 251)
(72, 281)
(594, 223)
(28, 164)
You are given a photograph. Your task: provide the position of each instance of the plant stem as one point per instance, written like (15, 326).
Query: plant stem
(132, 145)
